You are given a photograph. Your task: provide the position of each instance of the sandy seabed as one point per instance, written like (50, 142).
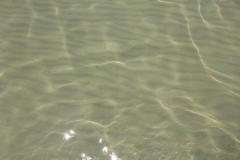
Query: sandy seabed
(119, 80)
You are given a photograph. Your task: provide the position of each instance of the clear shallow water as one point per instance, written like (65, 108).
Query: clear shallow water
(125, 80)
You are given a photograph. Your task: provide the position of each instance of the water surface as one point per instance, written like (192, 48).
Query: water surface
(119, 80)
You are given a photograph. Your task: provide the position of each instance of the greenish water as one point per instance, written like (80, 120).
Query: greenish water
(119, 80)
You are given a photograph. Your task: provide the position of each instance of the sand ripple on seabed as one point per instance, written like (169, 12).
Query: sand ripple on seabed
(119, 80)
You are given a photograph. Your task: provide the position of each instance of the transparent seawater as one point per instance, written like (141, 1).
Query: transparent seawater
(119, 80)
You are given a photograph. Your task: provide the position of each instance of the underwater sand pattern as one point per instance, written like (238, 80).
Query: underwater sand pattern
(119, 80)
